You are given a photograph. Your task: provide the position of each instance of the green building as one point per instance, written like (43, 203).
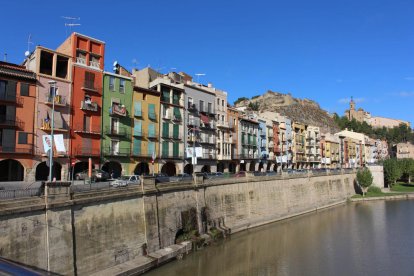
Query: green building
(117, 120)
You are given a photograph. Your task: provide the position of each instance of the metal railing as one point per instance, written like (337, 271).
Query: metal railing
(87, 151)
(121, 131)
(20, 193)
(8, 122)
(89, 106)
(58, 99)
(17, 150)
(121, 151)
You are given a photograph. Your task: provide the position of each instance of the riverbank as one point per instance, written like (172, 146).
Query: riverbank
(385, 197)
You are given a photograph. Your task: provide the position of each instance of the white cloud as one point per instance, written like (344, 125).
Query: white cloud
(347, 100)
(405, 94)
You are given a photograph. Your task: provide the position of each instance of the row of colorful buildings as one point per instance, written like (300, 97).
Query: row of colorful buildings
(142, 122)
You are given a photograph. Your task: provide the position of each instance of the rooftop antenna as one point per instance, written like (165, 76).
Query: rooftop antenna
(71, 22)
(29, 41)
(198, 76)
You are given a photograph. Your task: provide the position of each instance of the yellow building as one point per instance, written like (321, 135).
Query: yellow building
(299, 158)
(330, 151)
(145, 131)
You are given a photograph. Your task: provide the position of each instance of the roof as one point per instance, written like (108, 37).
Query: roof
(16, 71)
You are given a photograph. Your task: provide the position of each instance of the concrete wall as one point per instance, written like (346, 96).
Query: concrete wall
(378, 175)
(88, 232)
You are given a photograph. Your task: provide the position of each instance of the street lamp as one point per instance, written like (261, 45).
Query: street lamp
(52, 126)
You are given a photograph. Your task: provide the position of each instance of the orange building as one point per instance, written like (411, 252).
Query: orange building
(87, 74)
(17, 107)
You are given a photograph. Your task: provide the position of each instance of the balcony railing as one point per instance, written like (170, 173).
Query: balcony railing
(89, 106)
(121, 131)
(222, 124)
(140, 153)
(87, 151)
(118, 110)
(58, 99)
(95, 64)
(96, 130)
(46, 126)
(249, 156)
(81, 60)
(195, 122)
(172, 155)
(192, 107)
(13, 99)
(90, 86)
(11, 123)
(209, 156)
(121, 151)
(17, 150)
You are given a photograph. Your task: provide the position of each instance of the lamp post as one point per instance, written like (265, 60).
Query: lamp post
(52, 126)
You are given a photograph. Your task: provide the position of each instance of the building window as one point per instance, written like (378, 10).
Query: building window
(23, 138)
(222, 103)
(218, 102)
(62, 67)
(46, 63)
(190, 102)
(111, 83)
(121, 86)
(210, 108)
(24, 89)
(202, 106)
(3, 89)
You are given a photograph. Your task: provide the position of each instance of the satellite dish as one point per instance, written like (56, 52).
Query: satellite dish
(26, 54)
(115, 63)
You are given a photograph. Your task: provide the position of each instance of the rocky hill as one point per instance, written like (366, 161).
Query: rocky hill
(300, 110)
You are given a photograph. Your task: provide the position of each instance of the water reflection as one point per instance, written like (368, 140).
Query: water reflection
(372, 238)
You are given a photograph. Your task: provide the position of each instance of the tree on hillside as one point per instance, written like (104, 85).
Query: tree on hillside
(392, 171)
(240, 100)
(364, 178)
(407, 168)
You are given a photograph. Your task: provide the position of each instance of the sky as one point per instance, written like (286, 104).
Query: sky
(322, 50)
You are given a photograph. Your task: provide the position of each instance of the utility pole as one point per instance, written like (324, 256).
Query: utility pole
(52, 126)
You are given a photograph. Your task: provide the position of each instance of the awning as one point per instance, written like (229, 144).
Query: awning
(204, 119)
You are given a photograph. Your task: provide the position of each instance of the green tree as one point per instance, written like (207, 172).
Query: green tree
(392, 171)
(240, 100)
(407, 168)
(364, 178)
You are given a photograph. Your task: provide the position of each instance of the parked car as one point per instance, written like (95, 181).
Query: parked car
(181, 177)
(213, 175)
(240, 174)
(161, 177)
(125, 180)
(257, 173)
(97, 175)
(271, 173)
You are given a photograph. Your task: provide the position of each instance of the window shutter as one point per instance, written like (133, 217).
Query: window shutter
(176, 131)
(137, 146)
(24, 89)
(11, 89)
(137, 128)
(138, 109)
(151, 130)
(151, 111)
(151, 148)
(175, 149)
(165, 129)
(165, 147)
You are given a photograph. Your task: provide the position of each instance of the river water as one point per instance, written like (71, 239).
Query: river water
(369, 238)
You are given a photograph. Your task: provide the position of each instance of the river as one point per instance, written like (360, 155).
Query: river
(367, 238)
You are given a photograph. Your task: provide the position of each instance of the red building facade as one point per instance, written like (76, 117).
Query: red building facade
(87, 75)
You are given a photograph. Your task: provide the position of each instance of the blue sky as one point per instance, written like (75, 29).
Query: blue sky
(323, 50)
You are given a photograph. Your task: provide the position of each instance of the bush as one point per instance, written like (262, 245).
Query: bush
(374, 190)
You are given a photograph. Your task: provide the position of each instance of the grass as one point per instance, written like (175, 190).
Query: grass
(375, 192)
(403, 187)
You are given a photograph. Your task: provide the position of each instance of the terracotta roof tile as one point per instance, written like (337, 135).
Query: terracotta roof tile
(15, 70)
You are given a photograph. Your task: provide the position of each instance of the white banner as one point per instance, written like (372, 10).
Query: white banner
(199, 152)
(59, 143)
(47, 142)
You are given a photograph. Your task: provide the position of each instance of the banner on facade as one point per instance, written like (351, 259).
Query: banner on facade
(197, 152)
(59, 143)
(47, 142)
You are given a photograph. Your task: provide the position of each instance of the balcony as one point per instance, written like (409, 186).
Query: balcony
(10, 123)
(12, 99)
(89, 106)
(58, 99)
(17, 150)
(172, 155)
(192, 107)
(121, 131)
(249, 156)
(177, 118)
(88, 130)
(208, 126)
(209, 156)
(193, 122)
(211, 140)
(80, 60)
(117, 110)
(46, 126)
(222, 124)
(121, 151)
(87, 152)
(174, 136)
(139, 153)
(91, 87)
(94, 64)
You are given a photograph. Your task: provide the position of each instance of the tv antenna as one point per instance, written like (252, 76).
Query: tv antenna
(29, 41)
(70, 22)
(199, 75)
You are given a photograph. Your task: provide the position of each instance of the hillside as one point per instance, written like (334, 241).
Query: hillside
(300, 110)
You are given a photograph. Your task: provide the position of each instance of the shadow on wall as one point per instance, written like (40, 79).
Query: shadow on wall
(357, 187)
